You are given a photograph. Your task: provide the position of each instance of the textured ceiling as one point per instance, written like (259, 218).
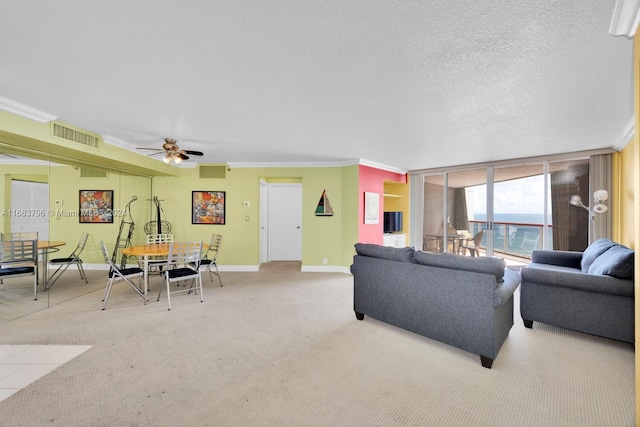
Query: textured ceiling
(407, 84)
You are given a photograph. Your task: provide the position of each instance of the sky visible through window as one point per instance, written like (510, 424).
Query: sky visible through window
(524, 196)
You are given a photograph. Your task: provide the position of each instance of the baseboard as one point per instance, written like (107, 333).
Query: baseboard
(325, 269)
(247, 268)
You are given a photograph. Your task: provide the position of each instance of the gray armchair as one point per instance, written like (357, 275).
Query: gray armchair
(590, 291)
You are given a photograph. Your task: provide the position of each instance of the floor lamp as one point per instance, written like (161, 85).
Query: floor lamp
(598, 207)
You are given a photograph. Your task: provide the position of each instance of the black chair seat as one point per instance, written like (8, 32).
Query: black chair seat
(10, 271)
(62, 260)
(181, 272)
(128, 271)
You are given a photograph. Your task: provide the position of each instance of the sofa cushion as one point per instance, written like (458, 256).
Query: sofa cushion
(592, 252)
(385, 252)
(485, 265)
(617, 261)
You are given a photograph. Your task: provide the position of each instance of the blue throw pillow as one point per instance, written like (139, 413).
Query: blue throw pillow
(385, 252)
(617, 261)
(594, 250)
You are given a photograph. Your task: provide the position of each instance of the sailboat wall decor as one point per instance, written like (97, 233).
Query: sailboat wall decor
(324, 206)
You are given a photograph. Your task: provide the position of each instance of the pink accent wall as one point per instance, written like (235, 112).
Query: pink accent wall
(372, 180)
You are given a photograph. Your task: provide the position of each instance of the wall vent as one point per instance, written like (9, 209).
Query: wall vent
(75, 135)
(92, 173)
(213, 171)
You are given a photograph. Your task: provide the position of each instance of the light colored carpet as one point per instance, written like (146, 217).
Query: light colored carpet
(283, 348)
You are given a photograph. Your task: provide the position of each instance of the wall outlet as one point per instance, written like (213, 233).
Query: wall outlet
(325, 261)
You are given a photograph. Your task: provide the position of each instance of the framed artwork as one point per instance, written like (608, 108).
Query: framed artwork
(371, 208)
(96, 206)
(208, 207)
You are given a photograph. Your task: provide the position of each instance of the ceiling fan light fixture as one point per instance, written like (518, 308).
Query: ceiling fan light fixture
(167, 159)
(177, 159)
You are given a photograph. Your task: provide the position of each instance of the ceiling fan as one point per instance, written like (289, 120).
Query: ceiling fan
(172, 153)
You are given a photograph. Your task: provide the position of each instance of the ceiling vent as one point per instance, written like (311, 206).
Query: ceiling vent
(92, 173)
(75, 135)
(213, 171)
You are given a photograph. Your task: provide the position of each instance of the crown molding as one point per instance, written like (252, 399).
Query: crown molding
(25, 111)
(624, 21)
(342, 163)
(626, 136)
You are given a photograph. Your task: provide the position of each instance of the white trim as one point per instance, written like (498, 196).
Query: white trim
(625, 18)
(626, 136)
(246, 268)
(25, 111)
(342, 163)
(234, 268)
(325, 269)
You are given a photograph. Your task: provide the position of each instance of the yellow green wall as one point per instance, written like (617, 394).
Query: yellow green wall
(330, 237)
(322, 236)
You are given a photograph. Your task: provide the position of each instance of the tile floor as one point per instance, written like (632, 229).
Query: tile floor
(20, 365)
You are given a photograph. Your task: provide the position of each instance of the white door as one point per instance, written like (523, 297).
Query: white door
(264, 221)
(30, 207)
(285, 222)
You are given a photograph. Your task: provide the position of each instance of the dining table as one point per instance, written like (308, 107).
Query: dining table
(148, 252)
(45, 247)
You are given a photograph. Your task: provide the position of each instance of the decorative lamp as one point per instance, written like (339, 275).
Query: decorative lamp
(599, 197)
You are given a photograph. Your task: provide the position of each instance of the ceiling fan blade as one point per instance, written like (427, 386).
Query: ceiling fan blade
(194, 153)
(183, 156)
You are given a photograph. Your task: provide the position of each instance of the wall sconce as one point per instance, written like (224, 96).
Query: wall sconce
(599, 197)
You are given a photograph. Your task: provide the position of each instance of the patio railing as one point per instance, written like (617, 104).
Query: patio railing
(514, 238)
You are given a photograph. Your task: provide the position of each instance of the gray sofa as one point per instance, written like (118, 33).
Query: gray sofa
(461, 301)
(590, 291)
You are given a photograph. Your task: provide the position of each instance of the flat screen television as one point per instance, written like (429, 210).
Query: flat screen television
(392, 222)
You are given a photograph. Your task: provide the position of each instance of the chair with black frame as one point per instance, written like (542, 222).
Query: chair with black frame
(19, 258)
(64, 263)
(116, 273)
(473, 244)
(184, 261)
(210, 258)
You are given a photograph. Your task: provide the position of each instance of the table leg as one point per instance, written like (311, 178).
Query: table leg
(146, 277)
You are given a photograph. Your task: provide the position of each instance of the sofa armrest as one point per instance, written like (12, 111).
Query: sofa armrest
(505, 290)
(562, 258)
(578, 280)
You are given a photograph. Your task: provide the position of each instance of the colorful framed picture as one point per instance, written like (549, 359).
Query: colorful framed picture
(96, 206)
(208, 207)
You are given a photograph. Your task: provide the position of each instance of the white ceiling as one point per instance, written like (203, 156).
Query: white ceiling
(407, 84)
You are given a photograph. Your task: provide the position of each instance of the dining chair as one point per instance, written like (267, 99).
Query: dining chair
(19, 258)
(64, 263)
(120, 274)
(210, 258)
(157, 263)
(473, 244)
(184, 260)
